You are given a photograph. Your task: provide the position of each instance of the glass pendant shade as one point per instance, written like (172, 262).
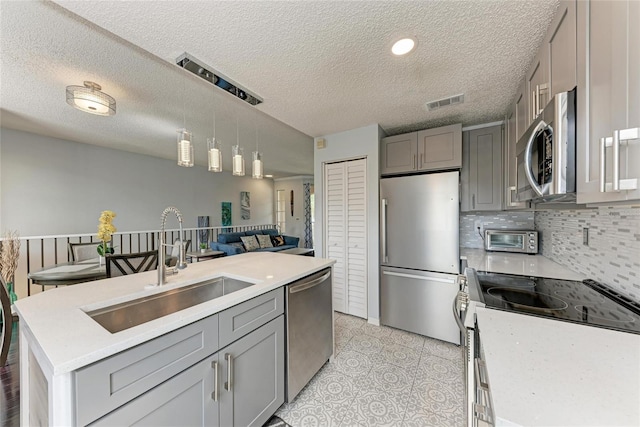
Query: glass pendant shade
(238, 160)
(256, 165)
(214, 154)
(185, 148)
(90, 99)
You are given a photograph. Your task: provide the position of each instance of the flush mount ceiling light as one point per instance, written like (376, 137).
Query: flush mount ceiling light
(403, 46)
(90, 99)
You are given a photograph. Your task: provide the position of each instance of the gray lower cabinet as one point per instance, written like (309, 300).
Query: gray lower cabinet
(184, 400)
(241, 385)
(481, 173)
(253, 376)
(226, 369)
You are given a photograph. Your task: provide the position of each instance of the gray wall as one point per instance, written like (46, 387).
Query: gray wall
(613, 254)
(352, 144)
(52, 186)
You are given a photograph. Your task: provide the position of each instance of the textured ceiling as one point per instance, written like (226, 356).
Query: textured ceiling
(321, 67)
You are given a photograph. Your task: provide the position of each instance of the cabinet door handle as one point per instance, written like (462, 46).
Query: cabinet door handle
(625, 136)
(415, 161)
(616, 160)
(214, 395)
(603, 164)
(473, 201)
(421, 160)
(383, 224)
(229, 383)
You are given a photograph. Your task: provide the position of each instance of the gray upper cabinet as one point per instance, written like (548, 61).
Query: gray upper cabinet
(521, 110)
(538, 84)
(440, 148)
(510, 162)
(399, 153)
(553, 69)
(481, 173)
(430, 149)
(608, 101)
(561, 48)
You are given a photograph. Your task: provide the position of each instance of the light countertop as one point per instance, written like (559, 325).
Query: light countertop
(519, 264)
(69, 339)
(544, 372)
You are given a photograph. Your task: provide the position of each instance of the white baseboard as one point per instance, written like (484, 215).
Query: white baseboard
(373, 321)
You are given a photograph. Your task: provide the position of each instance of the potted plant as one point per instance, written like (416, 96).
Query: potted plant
(203, 247)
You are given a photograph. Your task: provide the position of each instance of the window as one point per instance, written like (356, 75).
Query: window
(280, 210)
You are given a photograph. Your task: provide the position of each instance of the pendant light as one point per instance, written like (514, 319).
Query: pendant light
(90, 99)
(185, 146)
(238, 152)
(213, 147)
(256, 165)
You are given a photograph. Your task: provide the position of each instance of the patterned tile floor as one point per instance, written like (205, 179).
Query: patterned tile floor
(382, 376)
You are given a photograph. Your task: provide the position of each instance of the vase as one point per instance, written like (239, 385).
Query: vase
(102, 261)
(12, 295)
(203, 251)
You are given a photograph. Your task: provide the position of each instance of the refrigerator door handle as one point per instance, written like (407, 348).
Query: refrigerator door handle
(414, 276)
(385, 258)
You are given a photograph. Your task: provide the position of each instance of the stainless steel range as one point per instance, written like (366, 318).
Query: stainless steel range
(588, 302)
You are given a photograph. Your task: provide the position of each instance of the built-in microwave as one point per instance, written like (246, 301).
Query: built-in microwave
(546, 153)
(520, 241)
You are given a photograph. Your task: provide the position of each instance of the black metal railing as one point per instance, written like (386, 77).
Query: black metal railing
(37, 252)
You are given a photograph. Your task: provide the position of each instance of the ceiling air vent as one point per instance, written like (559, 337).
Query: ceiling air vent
(207, 73)
(444, 102)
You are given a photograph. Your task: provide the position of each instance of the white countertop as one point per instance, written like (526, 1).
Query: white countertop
(519, 264)
(69, 339)
(544, 372)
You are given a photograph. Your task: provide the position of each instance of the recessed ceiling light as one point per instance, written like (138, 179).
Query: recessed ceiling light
(403, 46)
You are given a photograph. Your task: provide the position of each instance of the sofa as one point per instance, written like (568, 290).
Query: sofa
(231, 243)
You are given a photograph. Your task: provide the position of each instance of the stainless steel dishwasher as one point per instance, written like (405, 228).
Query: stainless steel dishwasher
(309, 329)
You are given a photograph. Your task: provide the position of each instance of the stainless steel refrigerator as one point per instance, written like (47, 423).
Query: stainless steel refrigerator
(419, 256)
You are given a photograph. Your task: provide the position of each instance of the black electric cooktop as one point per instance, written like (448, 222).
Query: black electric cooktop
(588, 302)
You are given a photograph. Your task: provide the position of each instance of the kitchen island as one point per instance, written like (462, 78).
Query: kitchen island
(58, 339)
(544, 372)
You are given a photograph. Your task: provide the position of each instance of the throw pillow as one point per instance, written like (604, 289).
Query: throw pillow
(250, 243)
(238, 245)
(277, 240)
(264, 240)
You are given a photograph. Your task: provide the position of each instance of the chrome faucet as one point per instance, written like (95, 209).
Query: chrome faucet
(182, 262)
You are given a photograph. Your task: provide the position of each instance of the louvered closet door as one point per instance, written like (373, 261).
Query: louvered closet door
(356, 226)
(335, 230)
(346, 238)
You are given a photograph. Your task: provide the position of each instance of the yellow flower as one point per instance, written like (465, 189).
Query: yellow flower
(105, 227)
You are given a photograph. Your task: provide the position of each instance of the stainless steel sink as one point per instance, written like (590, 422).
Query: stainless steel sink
(118, 317)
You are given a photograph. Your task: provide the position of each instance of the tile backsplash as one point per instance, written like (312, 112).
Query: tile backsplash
(469, 236)
(612, 255)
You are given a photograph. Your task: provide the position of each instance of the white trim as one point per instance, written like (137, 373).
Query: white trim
(484, 125)
(289, 178)
(373, 321)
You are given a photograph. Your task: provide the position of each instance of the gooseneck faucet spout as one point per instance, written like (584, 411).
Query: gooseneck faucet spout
(182, 261)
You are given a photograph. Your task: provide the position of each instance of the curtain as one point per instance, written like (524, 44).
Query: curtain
(308, 234)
